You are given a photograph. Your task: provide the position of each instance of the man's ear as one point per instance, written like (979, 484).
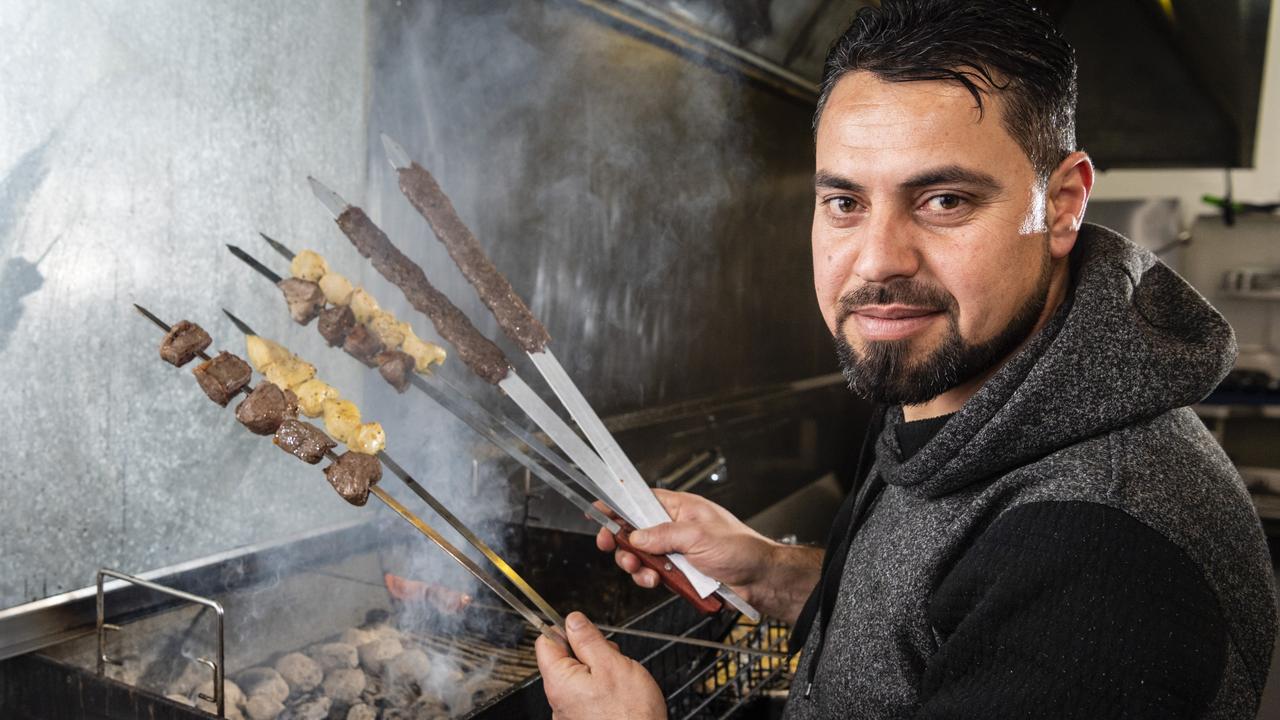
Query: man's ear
(1068, 194)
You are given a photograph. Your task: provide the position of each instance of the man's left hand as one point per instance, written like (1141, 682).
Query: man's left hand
(600, 682)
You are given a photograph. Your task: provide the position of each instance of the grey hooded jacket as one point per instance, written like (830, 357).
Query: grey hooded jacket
(1072, 543)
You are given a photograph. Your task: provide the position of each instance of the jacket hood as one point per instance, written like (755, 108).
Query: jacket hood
(1131, 341)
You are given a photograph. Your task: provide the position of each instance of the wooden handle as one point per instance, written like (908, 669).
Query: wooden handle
(669, 574)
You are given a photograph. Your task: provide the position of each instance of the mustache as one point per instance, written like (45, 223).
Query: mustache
(897, 292)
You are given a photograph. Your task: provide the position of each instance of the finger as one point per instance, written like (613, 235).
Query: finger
(588, 644)
(629, 563)
(646, 578)
(550, 654)
(664, 538)
(605, 509)
(605, 541)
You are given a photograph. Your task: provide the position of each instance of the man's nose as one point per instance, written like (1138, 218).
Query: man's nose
(886, 249)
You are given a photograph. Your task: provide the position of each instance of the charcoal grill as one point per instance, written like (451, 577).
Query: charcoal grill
(289, 595)
(332, 583)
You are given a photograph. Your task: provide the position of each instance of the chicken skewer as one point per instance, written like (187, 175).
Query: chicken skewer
(488, 362)
(453, 521)
(478, 418)
(485, 423)
(554, 629)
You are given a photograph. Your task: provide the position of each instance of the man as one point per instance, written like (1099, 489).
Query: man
(1046, 530)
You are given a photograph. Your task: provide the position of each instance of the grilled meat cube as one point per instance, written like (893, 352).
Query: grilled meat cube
(303, 440)
(183, 342)
(395, 367)
(222, 377)
(264, 409)
(304, 297)
(291, 373)
(312, 395)
(290, 404)
(337, 289)
(362, 344)
(335, 323)
(363, 305)
(264, 353)
(352, 474)
(424, 354)
(341, 419)
(308, 265)
(368, 438)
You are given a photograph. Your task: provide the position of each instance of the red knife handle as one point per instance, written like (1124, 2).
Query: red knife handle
(670, 575)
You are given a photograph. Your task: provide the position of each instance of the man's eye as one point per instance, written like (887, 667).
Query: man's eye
(945, 202)
(842, 205)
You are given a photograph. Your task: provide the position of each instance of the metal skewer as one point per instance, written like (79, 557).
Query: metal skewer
(520, 325)
(453, 521)
(478, 418)
(554, 630)
(489, 362)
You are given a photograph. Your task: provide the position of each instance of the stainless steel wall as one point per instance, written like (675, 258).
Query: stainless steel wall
(135, 139)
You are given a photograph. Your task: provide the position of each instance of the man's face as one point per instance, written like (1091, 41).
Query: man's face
(930, 251)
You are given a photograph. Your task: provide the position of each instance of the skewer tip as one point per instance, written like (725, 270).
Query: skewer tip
(396, 154)
(240, 324)
(330, 199)
(276, 245)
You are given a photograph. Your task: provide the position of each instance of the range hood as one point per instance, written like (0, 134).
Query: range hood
(1163, 83)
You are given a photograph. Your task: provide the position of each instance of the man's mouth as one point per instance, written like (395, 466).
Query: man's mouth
(892, 322)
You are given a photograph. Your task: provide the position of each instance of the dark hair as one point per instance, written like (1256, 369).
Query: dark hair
(1002, 45)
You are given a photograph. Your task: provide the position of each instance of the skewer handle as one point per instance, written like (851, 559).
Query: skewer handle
(669, 574)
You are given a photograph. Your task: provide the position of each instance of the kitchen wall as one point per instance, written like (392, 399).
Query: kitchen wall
(138, 138)
(1215, 248)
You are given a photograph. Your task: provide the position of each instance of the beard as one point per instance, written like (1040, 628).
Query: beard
(885, 371)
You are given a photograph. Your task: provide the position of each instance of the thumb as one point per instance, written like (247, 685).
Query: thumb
(666, 538)
(588, 643)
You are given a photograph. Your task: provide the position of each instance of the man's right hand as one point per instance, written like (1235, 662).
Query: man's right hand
(776, 578)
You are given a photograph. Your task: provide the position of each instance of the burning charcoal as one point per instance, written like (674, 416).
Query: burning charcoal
(429, 708)
(233, 696)
(362, 712)
(262, 707)
(352, 474)
(345, 685)
(395, 366)
(335, 323)
(409, 666)
(357, 636)
(304, 297)
(183, 342)
(192, 674)
(317, 709)
(484, 689)
(301, 672)
(373, 655)
(264, 409)
(303, 440)
(362, 344)
(265, 682)
(334, 656)
(222, 377)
